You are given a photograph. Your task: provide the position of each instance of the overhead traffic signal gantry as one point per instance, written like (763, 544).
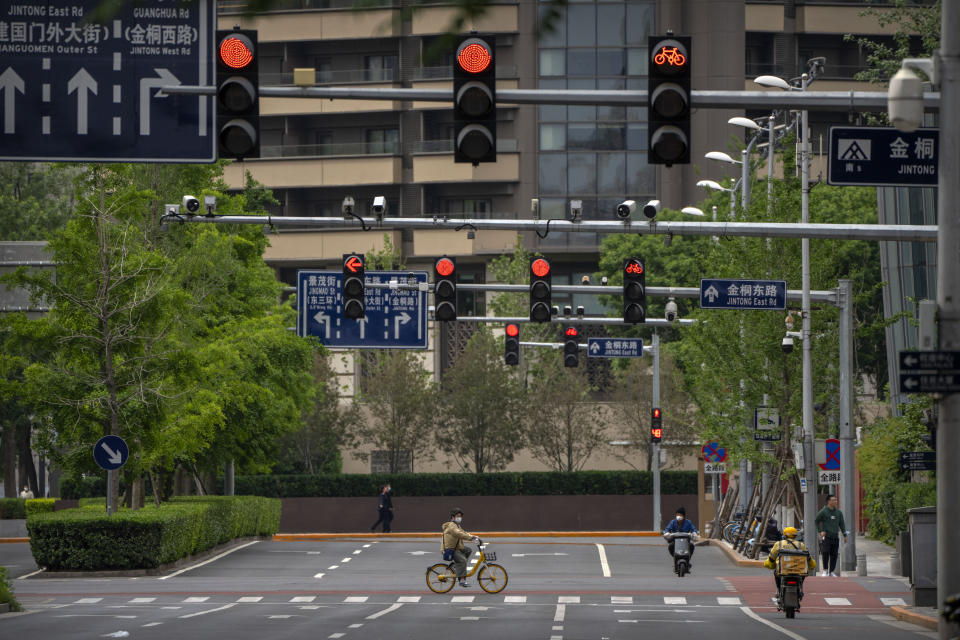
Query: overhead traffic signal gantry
(238, 92)
(353, 289)
(445, 289)
(511, 351)
(540, 290)
(656, 425)
(634, 291)
(668, 100)
(571, 347)
(475, 100)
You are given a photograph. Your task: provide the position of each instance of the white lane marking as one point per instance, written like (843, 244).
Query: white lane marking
(479, 608)
(140, 600)
(408, 599)
(904, 626)
(32, 573)
(314, 553)
(88, 601)
(560, 613)
(250, 599)
(356, 598)
(172, 608)
(728, 601)
(621, 599)
(342, 560)
(336, 635)
(890, 602)
(356, 625)
(358, 551)
(674, 600)
(603, 560)
(318, 575)
(303, 598)
(462, 598)
(152, 624)
(197, 599)
(200, 613)
(786, 632)
(310, 607)
(208, 561)
(365, 546)
(837, 602)
(393, 607)
(556, 637)
(469, 618)
(627, 620)
(332, 567)
(568, 599)
(558, 627)
(515, 599)
(278, 616)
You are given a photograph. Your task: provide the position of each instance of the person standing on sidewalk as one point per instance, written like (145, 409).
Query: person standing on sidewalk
(384, 510)
(830, 526)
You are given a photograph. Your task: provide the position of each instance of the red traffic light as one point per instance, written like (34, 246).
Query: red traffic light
(236, 51)
(474, 56)
(669, 57)
(633, 267)
(444, 266)
(572, 332)
(353, 263)
(540, 267)
(513, 330)
(656, 413)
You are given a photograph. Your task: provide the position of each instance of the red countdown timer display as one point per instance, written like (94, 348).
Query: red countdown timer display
(633, 267)
(540, 268)
(236, 51)
(444, 267)
(474, 57)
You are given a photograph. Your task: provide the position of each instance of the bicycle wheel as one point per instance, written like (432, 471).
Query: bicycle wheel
(440, 578)
(492, 578)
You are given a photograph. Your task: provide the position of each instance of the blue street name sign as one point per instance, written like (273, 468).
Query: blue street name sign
(614, 347)
(883, 157)
(73, 89)
(394, 318)
(743, 294)
(110, 452)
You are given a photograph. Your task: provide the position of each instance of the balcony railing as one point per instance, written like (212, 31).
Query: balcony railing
(322, 150)
(445, 72)
(338, 76)
(830, 72)
(446, 146)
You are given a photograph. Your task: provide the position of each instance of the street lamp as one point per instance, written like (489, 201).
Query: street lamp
(720, 156)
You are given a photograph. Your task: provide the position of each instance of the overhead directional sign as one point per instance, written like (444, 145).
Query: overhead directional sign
(75, 89)
(743, 294)
(883, 157)
(110, 452)
(394, 318)
(930, 360)
(614, 347)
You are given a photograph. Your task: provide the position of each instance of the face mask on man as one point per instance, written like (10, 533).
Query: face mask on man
(679, 518)
(458, 519)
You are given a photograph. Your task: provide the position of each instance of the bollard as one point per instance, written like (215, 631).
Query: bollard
(861, 564)
(895, 564)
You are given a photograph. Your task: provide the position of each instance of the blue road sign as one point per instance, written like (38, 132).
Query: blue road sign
(110, 452)
(743, 294)
(614, 347)
(88, 91)
(883, 157)
(394, 318)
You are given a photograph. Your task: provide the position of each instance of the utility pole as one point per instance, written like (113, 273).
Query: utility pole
(655, 463)
(847, 499)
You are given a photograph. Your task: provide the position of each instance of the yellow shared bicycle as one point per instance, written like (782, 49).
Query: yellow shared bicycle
(492, 577)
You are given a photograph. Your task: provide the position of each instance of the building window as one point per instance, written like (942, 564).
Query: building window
(382, 140)
(380, 461)
(380, 68)
(477, 207)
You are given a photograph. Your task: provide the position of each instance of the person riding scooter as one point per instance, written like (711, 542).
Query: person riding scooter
(680, 524)
(790, 543)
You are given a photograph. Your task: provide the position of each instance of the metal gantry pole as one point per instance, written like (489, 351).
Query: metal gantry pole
(948, 302)
(848, 477)
(655, 463)
(770, 156)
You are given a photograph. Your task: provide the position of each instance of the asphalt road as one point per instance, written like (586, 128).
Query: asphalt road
(559, 589)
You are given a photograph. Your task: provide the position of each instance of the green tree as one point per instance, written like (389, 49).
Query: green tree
(908, 20)
(35, 199)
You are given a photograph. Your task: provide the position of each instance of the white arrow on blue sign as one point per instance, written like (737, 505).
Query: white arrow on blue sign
(615, 347)
(743, 294)
(110, 452)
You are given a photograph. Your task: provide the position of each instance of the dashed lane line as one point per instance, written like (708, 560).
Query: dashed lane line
(356, 599)
(393, 607)
(603, 560)
(201, 613)
(786, 632)
(209, 560)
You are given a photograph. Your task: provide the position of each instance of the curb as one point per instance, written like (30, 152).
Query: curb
(13, 540)
(735, 558)
(906, 614)
(482, 534)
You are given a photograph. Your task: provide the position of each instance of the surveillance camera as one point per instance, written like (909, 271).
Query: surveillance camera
(535, 208)
(347, 207)
(190, 204)
(603, 281)
(905, 100)
(576, 210)
(651, 209)
(210, 202)
(585, 280)
(626, 209)
(787, 344)
(379, 205)
(171, 209)
(671, 310)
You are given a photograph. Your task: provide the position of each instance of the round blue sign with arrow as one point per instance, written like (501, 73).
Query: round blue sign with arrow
(110, 452)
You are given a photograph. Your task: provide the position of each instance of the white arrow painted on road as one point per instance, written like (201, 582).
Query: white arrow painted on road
(403, 318)
(146, 85)
(711, 293)
(82, 82)
(323, 319)
(10, 82)
(115, 457)
(521, 555)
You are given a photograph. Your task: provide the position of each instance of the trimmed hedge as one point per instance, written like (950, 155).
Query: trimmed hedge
(86, 539)
(6, 592)
(531, 483)
(90, 487)
(20, 508)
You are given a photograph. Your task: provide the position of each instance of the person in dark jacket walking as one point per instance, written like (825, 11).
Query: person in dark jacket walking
(830, 526)
(384, 510)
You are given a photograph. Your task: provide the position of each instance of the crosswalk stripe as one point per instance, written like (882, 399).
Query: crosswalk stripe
(279, 616)
(469, 618)
(621, 599)
(674, 600)
(356, 598)
(569, 599)
(515, 599)
(250, 599)
(408, 599)
(196, 599)
(88, 601)
(303, 598)
(890, 602)
(141, 600)
(731, 601)
(837, 602)
(462, 599)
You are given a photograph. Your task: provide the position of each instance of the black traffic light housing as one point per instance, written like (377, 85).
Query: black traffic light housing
(668, 100)
(656, 425)
(475, 100)
(238, 93)
(571, 347)
(634, 291)
(540, 290)
(445, 289)
(353, 289)
(511, 351)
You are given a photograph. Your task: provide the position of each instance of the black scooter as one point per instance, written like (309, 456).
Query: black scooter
(793, 566)
(681, 552)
